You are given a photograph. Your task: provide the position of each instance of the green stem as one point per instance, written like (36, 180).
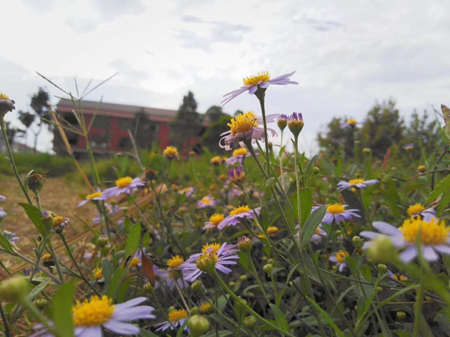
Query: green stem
(13, 164)
(37, 314)
(55, 258)
(418, 309)
(252, 266)
(297, 180)
(5, 322)
(260, 94)
(254, 313)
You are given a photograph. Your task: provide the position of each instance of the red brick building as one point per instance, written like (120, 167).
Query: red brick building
(109, 131)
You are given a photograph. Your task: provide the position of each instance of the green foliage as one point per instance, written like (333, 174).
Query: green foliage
(55, 166)
(213, 132)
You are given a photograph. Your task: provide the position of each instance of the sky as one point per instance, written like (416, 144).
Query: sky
(346, 54)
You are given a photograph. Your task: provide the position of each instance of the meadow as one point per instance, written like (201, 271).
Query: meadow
(262, 241)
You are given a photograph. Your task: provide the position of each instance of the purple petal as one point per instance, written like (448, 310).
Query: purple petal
(442, 249)
(429, 254)
(409, 254)
(253, 89)
(121, 328)
(386, 228)
(130, 303)
(130, 314)
(92, 331)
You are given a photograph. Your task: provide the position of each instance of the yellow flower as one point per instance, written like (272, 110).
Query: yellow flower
(134, 262)
(206, 308)
(171, 152)
(124, 182)
(341, 255)
(214, 246)
(176, 315)
(272, 231)
(175, 262)
(242, 151)
(255, 80)
(335, 208)
(216, 219)
(98, 274)
(94, 195)
(217, 160)
(243, 123)
(352, 121)
(421, 169)
(356, 181)
(94, 312)
(240, 209)
(433, 232)
(415, 209)
(3, 96)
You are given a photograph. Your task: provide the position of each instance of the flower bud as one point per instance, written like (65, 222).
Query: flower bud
(366, 150)
(207, 262)
(36, 182)
(250, 322)
(243, 277)
(197, 286)
(401, 315)
(381, 249)
(378, 289)
(244, 244)
(296, 123)
(198, 325)
(13, 289)
(270, 261)
(171, 152)
(382, 268)
(6, 105)
(102, 240)
(356, 240)
(40, 303)
(236, 174)
(316, 170)
(148, 288)
(421, 169)
(268, 268)
(206, 308)
(150, 174)
(282, 122)
(232, 284)
(195, 311)
(191, 154)
(272, 231)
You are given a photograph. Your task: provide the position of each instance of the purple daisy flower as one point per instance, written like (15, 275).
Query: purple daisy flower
(2, 213)
(262, 80)
(349, 123)
(318, 236)
(419, 209)
(11, 237)
(245, 127)
(225, 253)
(2, 198)
(188, 191)
(339, 259)
(409, 147)
(176, 319)
(235, 192)
(241, 212)
(115, 319)
(359, 183)
(435, 237)
(238, 156)
(207, 201)
(96, 196)
(123, 185)
(337, 212)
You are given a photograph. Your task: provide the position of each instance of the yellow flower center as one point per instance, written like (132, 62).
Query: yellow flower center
(95, 194)
(206, 200)
(356, 181)
(176, 315)
(242, 151)
(216, 219)
(341, 255)
(170, 152)
(216, 160)
(215, 247)
(58, 220)
(123, 182)
(98, 274)
(46, 257)
(263, 76)
(432, 232)
(240, 209)
(205, 307)
(272, 231)
(335, 208)
(352, 121)
(243, 123)
(134, 262)
(3, 96)
(95, 312)
(317, 231)
(175, 262)
(415, 209)
(400, 277)
(421, 168)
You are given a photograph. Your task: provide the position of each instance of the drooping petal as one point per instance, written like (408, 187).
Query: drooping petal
(126, 329)
(131, 303)
(442, 249)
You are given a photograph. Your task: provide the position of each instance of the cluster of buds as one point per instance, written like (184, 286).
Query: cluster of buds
(236, 174)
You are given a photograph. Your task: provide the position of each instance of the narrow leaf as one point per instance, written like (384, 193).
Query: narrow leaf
(147, 265)
(279, 316)
(62, 309)
(36, 217)
(311, 224)
(133, 239)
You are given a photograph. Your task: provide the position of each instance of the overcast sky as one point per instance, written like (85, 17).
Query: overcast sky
(347, 54)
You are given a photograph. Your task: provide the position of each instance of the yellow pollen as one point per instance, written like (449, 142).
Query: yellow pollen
(3, 96)
(124, 182)
(94, 195)
(216, 219)
(58, 220)
(400, 277)
(317, 231)
(335, 208)
(206, 200)
(341, 255)
(432, 232)
(176, 315)
(243, 123)
(46, 257)
(272, 231)
(171, 152)
(415, 209)
(217, 160)
(134, 262)
(356, 181)
(242, 151)
(98, 274)
(175, 262)
(352, 121)
(205, 308)
(240, 209)
(421, 169)
(261, 236)
(263, 76)
(95, 312)
(215, 247)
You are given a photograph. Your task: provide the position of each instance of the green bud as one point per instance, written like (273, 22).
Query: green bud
(382, 268)
(244, 244)
(366, 150)
(198, 325)
(207, 263)
(270, 261)
(148, 288)
(250, 322)
(195, 311)
(401, 315)
(268, 268)
(36, 182)
(356, 240)
(378, 289)
(316, 170)
(102, 240)
(243, 277)
(381, 250)
(13, 289)
(197, 286)
(40, 303)
(232, 284)
(282, 123)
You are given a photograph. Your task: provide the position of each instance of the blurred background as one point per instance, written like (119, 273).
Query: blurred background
(350, 56)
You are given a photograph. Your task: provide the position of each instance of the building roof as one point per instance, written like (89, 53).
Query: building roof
(117, 110)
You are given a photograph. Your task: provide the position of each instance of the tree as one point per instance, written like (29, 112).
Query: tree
(213, 114)
(211, 137)
(39, 116)
(337, 139)
(187, 124)
(144, 130)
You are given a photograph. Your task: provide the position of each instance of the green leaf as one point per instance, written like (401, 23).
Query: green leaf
(124, 290)
(306, 202)
(243, 260)
(366, 272)
(222, 302)
(311, 224)
(115, 282)
(327, 318)
(146, 333)
(279, 316)
(445, 200)
(62, 309)
(270, 181)
(36, 217)
(442, 186)
(286, 180)
(133, 239)
(5, 243)
(107, 270)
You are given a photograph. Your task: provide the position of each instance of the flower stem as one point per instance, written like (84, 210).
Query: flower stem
(5, 322)
(260, 94)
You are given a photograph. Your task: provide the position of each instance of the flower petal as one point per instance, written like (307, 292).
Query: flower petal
(91, 331)
(429, 254)
(386, 228)
(126, 329)
(409, 254)
(130, 314)
(442, 249)
(130, 303)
